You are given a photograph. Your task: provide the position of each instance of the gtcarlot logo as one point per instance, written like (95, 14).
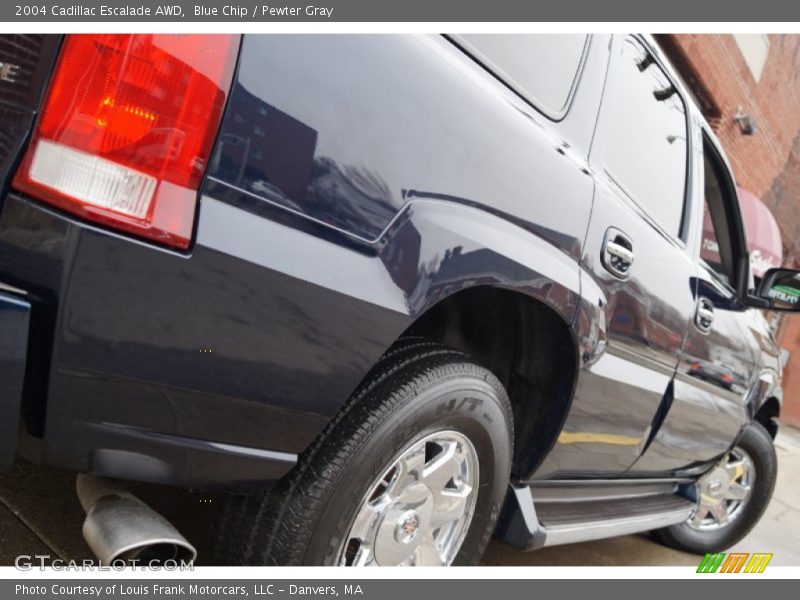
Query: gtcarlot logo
(28, 562)
(734, 562)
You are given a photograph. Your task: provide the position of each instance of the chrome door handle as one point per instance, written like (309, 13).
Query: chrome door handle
(617, 256)
(621, 252)
(704, 314)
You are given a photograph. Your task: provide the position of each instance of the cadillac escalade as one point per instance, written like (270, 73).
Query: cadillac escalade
(390, 295)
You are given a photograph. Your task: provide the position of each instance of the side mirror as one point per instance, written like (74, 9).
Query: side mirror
(780, 288)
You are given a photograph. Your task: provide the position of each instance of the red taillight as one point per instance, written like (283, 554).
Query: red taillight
(127, 128)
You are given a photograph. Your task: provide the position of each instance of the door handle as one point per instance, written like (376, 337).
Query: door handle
(704, 314)
(617, 256)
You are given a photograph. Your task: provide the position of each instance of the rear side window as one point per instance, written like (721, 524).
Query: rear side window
(543, 68)
(641, 136)
(710, 248)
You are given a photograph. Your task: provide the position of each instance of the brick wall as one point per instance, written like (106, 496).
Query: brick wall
(789, 338)
(783, 198)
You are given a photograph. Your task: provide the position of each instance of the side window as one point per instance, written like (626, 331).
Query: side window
(709, 247)
(715, 246)
(641, 136)
(542, 67)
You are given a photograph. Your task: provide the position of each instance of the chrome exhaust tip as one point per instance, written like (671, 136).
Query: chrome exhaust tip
(120, 527)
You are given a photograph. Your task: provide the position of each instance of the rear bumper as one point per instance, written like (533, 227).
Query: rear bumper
(14, 318)
(114, 383)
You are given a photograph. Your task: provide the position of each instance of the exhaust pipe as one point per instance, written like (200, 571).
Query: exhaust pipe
(120, 527)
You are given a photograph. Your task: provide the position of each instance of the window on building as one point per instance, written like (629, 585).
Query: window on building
(543, 68)
(755, 49)
(641, 136)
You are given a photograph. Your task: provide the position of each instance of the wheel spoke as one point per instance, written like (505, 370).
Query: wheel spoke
(450, 505)
(427, 554)
(720, 513)
(409, 470)
(699, 516)
(365, 525)
(737, 468)
(363, 557)
(737, 491)
(444, 467)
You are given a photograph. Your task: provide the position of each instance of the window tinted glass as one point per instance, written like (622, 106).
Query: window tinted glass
(713, 246)
(543, 67)
(641, 136)
(709, 250)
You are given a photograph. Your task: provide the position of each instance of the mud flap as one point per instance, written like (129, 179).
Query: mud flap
(518, 525)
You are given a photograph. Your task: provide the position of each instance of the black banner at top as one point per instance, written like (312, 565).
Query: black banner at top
(40, 11)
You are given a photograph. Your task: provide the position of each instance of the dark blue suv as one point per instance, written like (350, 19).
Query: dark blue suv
(392, 295)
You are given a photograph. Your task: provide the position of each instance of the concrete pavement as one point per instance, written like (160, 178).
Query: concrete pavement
(40, 514)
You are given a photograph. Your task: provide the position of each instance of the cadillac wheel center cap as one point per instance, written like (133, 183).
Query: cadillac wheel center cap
(407, 527)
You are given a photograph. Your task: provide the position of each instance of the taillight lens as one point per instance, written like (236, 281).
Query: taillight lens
(127, 127)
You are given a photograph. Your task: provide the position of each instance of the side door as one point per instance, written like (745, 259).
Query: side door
(637, 272)
(719, 364)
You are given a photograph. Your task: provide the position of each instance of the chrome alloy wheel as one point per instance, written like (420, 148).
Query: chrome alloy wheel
(420, 509)
(723, 492)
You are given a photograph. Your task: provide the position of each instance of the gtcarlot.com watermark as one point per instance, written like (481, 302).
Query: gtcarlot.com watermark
(29, 562)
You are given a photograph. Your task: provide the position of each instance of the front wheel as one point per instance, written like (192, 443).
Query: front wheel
(413, 471)
(730, 498)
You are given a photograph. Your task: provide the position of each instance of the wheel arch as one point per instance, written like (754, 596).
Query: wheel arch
(768, 413)
(766, 400)
(526, 344)
(503, 292)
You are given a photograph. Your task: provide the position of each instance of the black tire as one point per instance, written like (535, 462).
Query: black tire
(758, 444)
(417, 388)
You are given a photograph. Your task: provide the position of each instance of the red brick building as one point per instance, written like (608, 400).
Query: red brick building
(758, 76)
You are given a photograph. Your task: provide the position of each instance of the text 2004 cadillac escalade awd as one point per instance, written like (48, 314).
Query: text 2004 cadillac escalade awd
(394, 294)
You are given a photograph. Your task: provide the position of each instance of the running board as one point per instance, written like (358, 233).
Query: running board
(555, 521)
(595, 520)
